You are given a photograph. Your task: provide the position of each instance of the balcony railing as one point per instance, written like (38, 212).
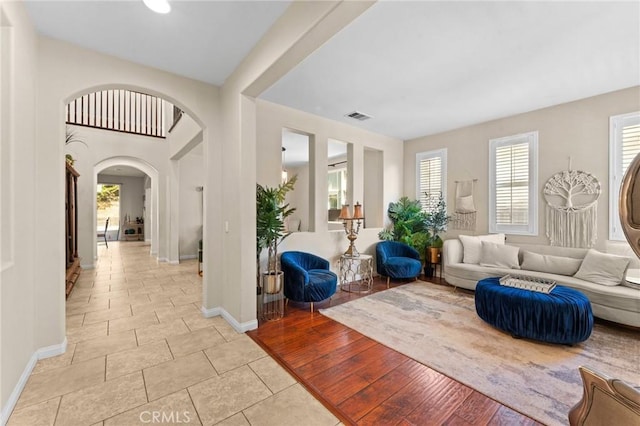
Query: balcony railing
(119, 110)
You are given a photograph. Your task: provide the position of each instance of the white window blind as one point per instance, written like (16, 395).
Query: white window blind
(430, 176)
(513, 180)
(624, 145)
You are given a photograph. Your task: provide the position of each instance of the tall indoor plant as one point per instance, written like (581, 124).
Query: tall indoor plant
(271, 211)
(436, 220)
(408, 225)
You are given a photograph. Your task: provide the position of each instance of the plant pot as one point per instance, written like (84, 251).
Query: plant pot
(272, 282)
(433, 254)
(428, 271)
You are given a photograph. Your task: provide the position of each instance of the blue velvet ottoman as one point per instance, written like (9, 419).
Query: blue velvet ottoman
(562, 316)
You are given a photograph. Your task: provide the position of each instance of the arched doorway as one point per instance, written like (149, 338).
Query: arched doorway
(152, 173)
(110, 141)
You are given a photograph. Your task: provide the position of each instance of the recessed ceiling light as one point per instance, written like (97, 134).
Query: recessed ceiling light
(158, 6)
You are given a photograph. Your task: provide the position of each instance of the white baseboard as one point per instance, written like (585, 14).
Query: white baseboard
(53, 350)
(88, 266)
(163, 260)
(188, 256)
(239, 327)
(173, 262)
(42, 353)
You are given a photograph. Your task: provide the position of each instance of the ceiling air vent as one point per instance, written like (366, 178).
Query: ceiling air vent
(357, 115)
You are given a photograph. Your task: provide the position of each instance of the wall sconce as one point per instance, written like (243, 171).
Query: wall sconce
(351, 226)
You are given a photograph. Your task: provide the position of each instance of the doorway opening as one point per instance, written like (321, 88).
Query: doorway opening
(108, 211)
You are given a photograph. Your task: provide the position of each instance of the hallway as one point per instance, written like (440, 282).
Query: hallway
(139, 351)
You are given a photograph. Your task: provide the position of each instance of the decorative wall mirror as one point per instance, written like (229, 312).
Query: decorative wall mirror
(295, 161)
(630, 205)
(337, 181)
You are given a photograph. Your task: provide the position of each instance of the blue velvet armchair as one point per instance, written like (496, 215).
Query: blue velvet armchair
(307, 277)
(397, 260)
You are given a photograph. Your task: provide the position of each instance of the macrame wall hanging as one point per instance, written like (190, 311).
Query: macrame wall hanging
(464, 216)
(572, 198)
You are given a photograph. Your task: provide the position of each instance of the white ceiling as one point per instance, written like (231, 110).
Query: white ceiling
(204, 40)
(122, 171)
(417, 67)
(421, 68)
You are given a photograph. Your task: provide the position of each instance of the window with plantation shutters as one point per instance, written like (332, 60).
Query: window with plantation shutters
(513, 184)
(431, 176)
(624, 145)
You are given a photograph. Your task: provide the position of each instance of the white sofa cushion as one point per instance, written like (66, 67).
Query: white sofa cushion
(603, 268)
(472, 245)
(499, 255)
(552, 264)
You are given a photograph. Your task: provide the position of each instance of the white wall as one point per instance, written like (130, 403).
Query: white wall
(191, 177)
(579, 130)
(299, 31)
(19, 308)
(65, 72)
(100, 145)
(373, 198)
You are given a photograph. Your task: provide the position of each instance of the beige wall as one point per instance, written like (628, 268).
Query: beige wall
(579, 130)
(18, 287)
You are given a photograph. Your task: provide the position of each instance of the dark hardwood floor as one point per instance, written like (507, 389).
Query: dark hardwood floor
(363, 382)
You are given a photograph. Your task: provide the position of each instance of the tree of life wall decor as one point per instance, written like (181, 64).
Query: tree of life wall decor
(572, 197)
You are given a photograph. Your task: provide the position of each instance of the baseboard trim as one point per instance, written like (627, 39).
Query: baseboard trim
(53, 350)
(42, 353)
(189, 256)
(239, 327)
(163, 260)
(88, 266)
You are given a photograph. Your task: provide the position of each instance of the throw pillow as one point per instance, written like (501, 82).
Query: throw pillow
(499, 255)
(472, 246)
(603, 268)
(552, 264)
(465, 204)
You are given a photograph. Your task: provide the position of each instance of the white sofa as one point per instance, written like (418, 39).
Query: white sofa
(618, 303)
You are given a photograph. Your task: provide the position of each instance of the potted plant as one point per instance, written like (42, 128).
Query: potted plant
(436, 220)
(408, 225)
(270, 231)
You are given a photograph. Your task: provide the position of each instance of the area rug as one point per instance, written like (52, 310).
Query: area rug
(439, 327)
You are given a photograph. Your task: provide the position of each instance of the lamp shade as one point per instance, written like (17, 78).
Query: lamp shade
(357, 211)
(344, 213)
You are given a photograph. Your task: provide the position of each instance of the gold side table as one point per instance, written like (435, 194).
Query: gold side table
(357, 272)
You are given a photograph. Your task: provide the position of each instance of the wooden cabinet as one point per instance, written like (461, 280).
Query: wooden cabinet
(133, 231)
(71, 228)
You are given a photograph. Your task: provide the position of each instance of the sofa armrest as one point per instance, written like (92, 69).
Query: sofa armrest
(452, 251)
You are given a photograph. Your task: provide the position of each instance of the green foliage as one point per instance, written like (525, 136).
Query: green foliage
(70, 136)
(270, 216)
(436, 221)
(107, 195)
(409, 224)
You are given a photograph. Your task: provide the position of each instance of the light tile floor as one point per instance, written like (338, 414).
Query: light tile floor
(140, 352)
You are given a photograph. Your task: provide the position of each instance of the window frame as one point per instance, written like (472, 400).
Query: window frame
(532, 227)
(442, 154)
(616, 123)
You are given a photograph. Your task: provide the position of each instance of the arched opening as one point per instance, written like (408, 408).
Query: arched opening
(107, 142)
(153, 214)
